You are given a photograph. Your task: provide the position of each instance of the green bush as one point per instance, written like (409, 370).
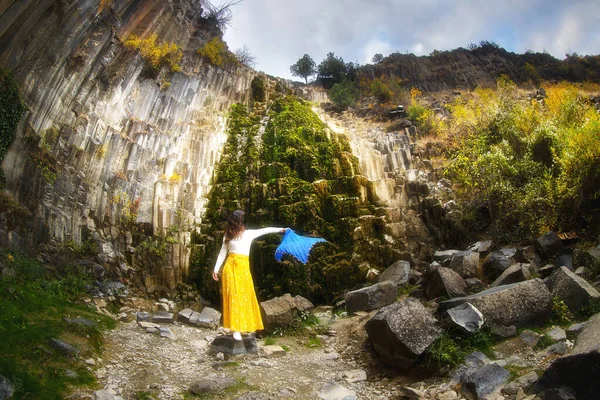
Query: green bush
(257, 87)
(381, 91)
(11, 110)
(343, 95)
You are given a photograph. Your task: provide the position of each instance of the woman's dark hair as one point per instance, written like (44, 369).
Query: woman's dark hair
(235, 225)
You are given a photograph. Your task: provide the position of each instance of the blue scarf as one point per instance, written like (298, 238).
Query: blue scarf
(296, 245)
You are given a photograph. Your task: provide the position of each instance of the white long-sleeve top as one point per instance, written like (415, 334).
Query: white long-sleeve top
(242, 245)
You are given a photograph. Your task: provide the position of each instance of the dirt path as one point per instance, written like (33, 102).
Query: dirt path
(136, 362)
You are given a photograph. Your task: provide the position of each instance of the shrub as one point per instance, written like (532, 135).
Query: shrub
(258, 88)
(11, 110)
(381, 91)
(343, 95)
(217, 53)
(156, 54)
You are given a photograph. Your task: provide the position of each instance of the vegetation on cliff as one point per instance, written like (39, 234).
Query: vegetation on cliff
(11, 110)
(525, 166)
(291, 171)
(156, 54)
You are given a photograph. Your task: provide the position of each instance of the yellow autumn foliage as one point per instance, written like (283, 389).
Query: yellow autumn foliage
(157, 54)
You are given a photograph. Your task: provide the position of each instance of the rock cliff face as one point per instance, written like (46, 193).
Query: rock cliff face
(104, 146)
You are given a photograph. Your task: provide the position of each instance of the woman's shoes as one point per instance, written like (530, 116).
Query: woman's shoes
(237, 336)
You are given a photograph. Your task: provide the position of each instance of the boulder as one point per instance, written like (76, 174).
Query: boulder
(278, 311)
(575, 291)
(485, 380)
(467, 317)
(7, 389)
(184, 315)
(548, 245)
(513, 274)
(445, 282)
(226, 344)
(372, 297)
(530, 338)
(402, 331)
(557, 334)
(498, 261)
(208, 318)
(303, 304)
(578, 371)
(465, 263)
(398, 272)
(518, 304)
(163, 317)
(64, 348)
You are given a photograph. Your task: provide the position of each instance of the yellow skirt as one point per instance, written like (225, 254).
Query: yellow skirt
(240, 308)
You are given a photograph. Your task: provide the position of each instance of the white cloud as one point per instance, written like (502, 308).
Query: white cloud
(279, 32)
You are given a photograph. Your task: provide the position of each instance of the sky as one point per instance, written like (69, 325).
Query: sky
(279, 32)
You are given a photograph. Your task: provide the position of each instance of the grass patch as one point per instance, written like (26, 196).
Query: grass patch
(451, 348)
(544, 342)
(407, 289)
(314, 342)
(588, 311)
(270, 340)
(285, 348)
(33, 303)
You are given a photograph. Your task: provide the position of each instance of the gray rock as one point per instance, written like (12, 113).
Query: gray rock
(278, 311)
(334, 391)
(557, 334)
(472, 363)
(208, 318)
(485, 380)
(355, 375)
(63, 347)
(148, 325)
(467, 317)
(401, 332)
(212, 386)
(80, 321)
(163, 317)
(255, 396)
(445, 282)
(99, 271)
(465, 263)
(564, 259)
(105, 395)
(444, 256)
(578, 370)
(226, 344)
(449, 395)
(398, 272)
(272, 351)
(408, 392)
(548, 245)
(184, 315)
(559, 348)
(143, 316)
(531, 338)
(166, 333)
(303, 304)
(574, 330)
(372, 297)
(513, 274)
(71, 374)
(518, 304)
(503, 331)
(482, 246)
(498, 261)
(547, 270)
(524, 382)
(575, 291)
(7, 389)
(153, 330)
(587, 257)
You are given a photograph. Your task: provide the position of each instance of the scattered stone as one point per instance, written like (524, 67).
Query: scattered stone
(303, 304)
(472, 363)
(519, 304)
(80, 321)
(503, 331)
(449, 395)
(166, 333)
(531, 338)
(163, 317)
(581, 271)
(372, 297)
(334, 391)
(465, 263)
(147, 325)
(184, 315)
(71, 374)
(154, 331)
(559, 348)
(577, 371)
(142, 316)
(575, 291)
(482, 246)
(557, 334)
(123, 317)
(574, 330)
(63, 347)
(467, 317)
(485, 380)
(548, 245)
(255, 396)
(411, 393)
(355, 375)
(524, 382)
(208, 318)
(99, 302)
(445, 282)
(401, 332)
(106, 395)
(513, 274)
(262, 363)
(332, 356)
(7, 389)
(444, 256)
(212, 386)
(90, 361)
(398, 272)
(272, 351)
(228, 345)
(498, 261)
(516, 361)
(547, 270)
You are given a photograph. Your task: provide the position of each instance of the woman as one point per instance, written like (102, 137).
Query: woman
(240, 307)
